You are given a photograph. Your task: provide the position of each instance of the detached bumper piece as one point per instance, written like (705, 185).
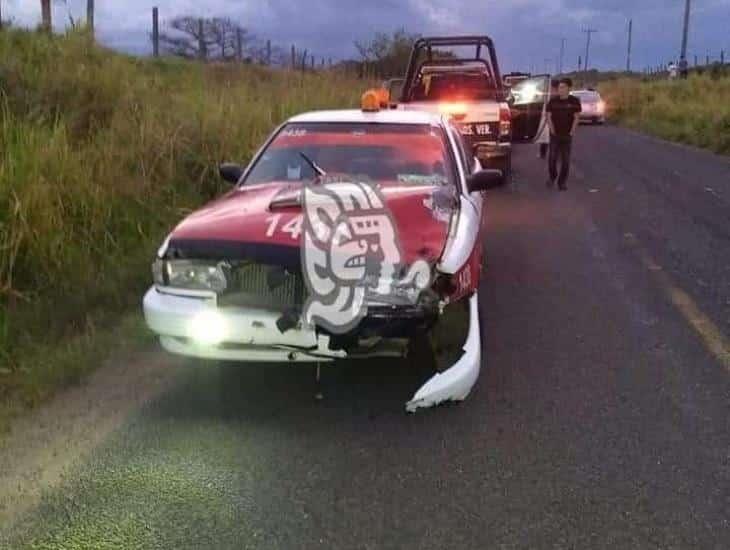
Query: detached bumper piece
(456, 382)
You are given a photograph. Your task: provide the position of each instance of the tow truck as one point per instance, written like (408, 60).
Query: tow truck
(459, 76)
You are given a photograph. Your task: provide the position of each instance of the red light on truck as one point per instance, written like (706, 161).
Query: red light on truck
(505, 120)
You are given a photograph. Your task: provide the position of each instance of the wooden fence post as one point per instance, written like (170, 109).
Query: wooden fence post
(202, 50)
(47, 17)
(155, 32)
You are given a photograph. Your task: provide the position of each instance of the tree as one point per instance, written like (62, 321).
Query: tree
(186, 39)
(387, 55)
(209, 38)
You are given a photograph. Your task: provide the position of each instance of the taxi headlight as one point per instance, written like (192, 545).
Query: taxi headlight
(189, 275)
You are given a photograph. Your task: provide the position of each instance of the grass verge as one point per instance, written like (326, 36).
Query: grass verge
(695, 111)
(100, 155)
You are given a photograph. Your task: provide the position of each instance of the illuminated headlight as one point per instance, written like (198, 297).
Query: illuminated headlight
(208, 328)
(189, 275)
(601, 106)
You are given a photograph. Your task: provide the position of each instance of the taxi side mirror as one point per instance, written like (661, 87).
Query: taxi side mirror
(484, 180)
(230, 172)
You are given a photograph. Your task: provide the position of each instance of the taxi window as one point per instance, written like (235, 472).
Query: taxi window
(385, 153)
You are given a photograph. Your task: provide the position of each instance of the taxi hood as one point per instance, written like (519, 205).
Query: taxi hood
(264, 222)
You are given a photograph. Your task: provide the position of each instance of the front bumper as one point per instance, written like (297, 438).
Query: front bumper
(251, 335)
(246, 334)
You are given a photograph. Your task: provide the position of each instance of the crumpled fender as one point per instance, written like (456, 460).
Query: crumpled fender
(455, 383)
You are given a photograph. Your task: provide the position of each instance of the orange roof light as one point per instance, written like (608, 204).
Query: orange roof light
(374, 100)
(370, 102)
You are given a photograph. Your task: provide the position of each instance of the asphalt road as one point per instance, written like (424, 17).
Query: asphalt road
(601, 419)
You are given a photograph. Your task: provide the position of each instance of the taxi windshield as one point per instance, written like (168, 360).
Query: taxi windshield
(385, 153)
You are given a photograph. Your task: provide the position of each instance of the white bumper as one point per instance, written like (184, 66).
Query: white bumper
(243, 334)
(456, 383)
(251, 335)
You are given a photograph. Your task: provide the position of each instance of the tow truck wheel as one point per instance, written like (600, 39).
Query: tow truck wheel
(507, 171)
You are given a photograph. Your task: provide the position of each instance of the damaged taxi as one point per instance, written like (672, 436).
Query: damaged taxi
(350, 234)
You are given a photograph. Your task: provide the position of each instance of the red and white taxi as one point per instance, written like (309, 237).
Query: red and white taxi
(401, 202)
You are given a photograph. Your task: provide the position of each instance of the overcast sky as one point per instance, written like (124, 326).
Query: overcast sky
(527, 32)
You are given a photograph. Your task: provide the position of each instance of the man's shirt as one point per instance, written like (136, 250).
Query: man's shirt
(563, 112)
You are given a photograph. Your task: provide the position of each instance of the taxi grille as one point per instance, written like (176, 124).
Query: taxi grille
(263, 286)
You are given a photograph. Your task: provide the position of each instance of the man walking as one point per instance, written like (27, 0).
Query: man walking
(563, 120)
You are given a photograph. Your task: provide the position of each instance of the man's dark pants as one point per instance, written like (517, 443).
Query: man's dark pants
(560, 150)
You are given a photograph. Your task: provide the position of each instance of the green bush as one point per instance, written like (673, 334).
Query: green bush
(100, 154)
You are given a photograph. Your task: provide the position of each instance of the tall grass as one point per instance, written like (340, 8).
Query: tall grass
(695, 111)
(100, 154)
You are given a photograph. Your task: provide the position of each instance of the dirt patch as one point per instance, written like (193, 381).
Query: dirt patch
(44, 444)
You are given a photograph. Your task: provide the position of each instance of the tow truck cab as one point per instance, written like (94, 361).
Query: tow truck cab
(459, 76)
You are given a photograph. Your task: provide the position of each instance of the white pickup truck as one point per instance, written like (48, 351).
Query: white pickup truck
(459, 76)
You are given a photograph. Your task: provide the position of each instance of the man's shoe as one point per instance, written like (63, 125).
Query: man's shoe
(563, 187)
(550, 183)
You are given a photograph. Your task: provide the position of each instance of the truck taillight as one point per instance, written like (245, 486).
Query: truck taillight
(505, 120)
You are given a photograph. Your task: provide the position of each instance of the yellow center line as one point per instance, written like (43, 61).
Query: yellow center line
(715, 341)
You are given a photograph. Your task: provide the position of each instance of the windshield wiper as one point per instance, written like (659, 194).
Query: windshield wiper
(313, 165)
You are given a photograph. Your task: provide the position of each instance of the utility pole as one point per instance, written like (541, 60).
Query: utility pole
(293, 57)
(268, 52)
(1, 15)
(90, 16)
(628, 54)
(155, 32)
(580, 63)
(562, 55)
(588, 32)
(683, 63)
(685, 31)
(239, 45)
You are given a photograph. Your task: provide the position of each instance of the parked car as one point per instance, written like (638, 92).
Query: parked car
(351, 234)
(593, 106)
